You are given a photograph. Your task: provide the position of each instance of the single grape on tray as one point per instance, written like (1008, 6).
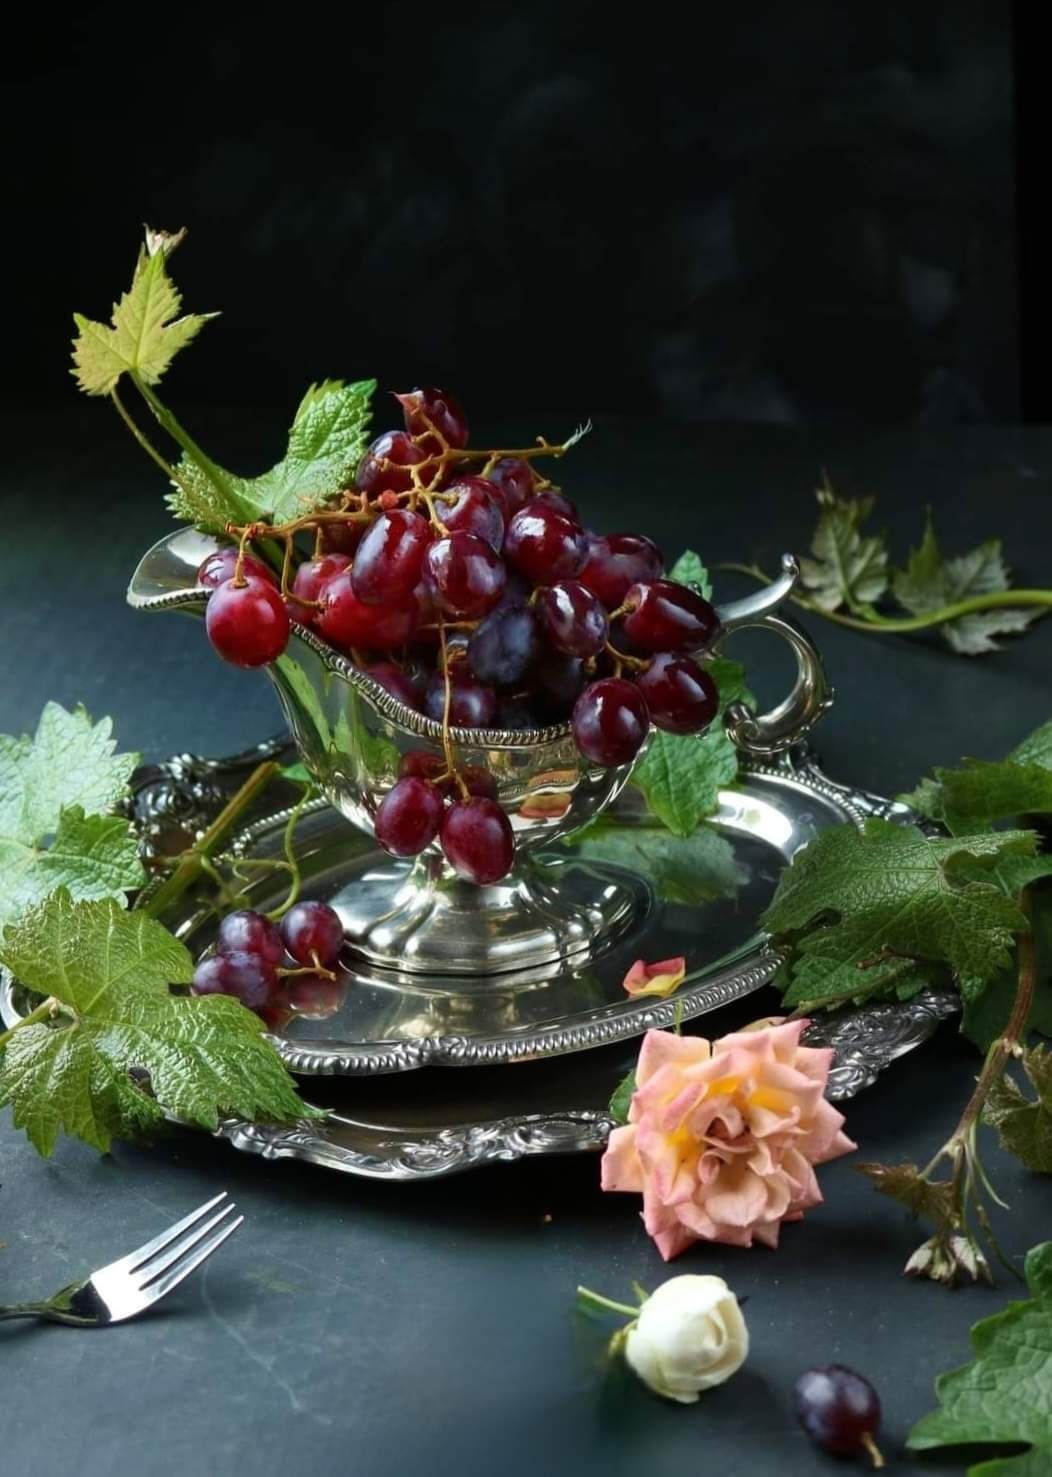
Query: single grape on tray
(465, 584)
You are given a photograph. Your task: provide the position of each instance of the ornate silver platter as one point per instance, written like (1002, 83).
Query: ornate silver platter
(385, 1124)
(699, 898)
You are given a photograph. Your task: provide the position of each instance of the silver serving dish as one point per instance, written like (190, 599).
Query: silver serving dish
(418, 917)
(700, 898)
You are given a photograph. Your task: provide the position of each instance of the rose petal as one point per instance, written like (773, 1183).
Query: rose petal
(655, 979)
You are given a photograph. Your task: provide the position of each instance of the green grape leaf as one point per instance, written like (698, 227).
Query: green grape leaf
(981, 792)
(145, 332)
(681, 775)
(118, 1028)
(326, 441)
(931, 582)
(54, 789)
(860, 910)
(1036, 748)
(621, 1100)
(689, 570)
(1004, 1396)
(849, 568)
(694, 869)
(1024, 1124)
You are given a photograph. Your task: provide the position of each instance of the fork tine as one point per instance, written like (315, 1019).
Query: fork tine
(183, 1268)
(142, 1254)
(149, 1271)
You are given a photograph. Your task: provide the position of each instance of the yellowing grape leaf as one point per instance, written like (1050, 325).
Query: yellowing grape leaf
(145, 332)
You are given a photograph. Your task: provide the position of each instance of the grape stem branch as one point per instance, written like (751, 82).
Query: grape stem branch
(903, 625)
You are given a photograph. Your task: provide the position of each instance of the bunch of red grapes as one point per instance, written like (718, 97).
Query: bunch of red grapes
(480, 600)
(250, 960)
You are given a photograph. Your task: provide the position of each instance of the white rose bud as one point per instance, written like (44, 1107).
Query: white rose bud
(690, 1335)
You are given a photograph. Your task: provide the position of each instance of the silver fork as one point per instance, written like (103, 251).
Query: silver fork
(140, 1279)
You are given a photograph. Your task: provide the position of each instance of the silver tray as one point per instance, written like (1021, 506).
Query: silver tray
(432, 1123)
(702, 902)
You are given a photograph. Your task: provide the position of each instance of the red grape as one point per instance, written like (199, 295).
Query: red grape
(393, 446)
(346, 621)
(220, 566)
(246, 932)
(838, 1409)
(470, 706)
(476, 510)
(559, 502)
(408, 817)
(573, 619)
(504, 646)
(514, 481)
(615, 561)
(312, 932)
(681, 696)
(477, 840)
(439, 407)
(665, 616)
(466, 575)
(395, 680)
(543, 545)
(247, 977)
(390, 558)
(307, 583)
(247, 624)
(610, 721)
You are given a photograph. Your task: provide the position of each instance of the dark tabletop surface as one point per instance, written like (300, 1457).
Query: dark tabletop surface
(368, 1328)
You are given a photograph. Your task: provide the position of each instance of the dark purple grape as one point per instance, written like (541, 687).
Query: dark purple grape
(466, 574)
(517, 712)
(614, 562)
(543, 545)
(390, 558)
(246, 932)
(839, 1410)
(477, 840)
(681, 696)
(470, 706)
(560, 680)
(504, 646)
(246, 977)
(572, 618)
(610, 721)
(408, 817)
(395, 680)
(439, 407)
(395, 447)
(312, 932)
(666, 616)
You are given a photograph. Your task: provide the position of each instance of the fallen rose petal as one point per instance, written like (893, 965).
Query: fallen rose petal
(655, 979)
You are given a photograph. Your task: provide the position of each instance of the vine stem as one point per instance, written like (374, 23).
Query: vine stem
(901, 625)
(295, 880)
(190, 866)
(45, 1009)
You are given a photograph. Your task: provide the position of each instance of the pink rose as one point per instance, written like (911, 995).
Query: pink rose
(723, 1135)
(656, 979)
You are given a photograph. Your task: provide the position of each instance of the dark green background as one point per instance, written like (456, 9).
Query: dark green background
(379, 1329)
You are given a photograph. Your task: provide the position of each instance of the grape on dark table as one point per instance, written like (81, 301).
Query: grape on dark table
(839, 1410)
